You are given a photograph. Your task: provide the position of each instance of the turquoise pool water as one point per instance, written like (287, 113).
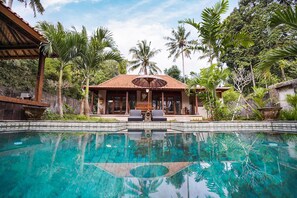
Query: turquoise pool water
(148, 164)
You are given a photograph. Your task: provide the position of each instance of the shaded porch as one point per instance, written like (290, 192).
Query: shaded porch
(18, 40)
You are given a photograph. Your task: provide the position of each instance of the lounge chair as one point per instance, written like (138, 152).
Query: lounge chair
(135, 115)
(157, 115)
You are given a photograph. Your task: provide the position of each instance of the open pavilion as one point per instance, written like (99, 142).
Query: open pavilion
(18, 40)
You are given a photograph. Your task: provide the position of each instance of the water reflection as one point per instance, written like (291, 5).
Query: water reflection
(180, 164)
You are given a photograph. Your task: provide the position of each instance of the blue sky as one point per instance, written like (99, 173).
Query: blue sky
(129, 21)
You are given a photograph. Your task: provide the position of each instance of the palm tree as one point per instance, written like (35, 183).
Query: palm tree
(144, 188)
(92, 53)
(210, 78)
(34, 4)
(281, 17)
(210, 29)
(179, 45)
(142, 55)
(63, 45)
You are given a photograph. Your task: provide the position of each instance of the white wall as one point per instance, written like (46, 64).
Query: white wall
(185, 102)
(101, 106)
(282, 94)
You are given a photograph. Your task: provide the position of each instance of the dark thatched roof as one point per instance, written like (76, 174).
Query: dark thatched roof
(18, 40)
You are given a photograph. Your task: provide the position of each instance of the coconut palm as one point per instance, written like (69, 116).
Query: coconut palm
(281, 17)
(34, 4)
(62, 44)
(144, 187)
(92, 53)
(209, 29)
(179, 45)
(142, 55)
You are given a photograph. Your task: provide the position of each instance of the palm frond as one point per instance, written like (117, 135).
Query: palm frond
(287, 16)
(273, 56)
(191, 22)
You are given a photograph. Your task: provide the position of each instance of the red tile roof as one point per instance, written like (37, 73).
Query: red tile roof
(125, 82)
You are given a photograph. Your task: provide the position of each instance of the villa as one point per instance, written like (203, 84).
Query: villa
(118, 95)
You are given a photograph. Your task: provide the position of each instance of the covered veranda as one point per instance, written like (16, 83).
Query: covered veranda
(18, 40)
(115, 98)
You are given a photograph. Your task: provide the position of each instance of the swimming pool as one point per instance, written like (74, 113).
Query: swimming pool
(155, 163)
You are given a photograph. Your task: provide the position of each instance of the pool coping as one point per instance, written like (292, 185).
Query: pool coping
(218, 126)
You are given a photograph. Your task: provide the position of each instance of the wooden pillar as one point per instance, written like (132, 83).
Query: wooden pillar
(162, 101)
(196, 103)
(98, 104)
(92, 102)
(40, 78)
(127, 103)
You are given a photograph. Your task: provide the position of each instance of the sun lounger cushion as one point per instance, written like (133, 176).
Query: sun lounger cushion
(157, 115)
(135, 115)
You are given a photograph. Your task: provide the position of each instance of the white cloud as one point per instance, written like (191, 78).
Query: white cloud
(58, 3)
(128, 33)
(129, 23)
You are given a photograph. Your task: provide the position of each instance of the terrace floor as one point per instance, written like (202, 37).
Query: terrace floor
(179, 118)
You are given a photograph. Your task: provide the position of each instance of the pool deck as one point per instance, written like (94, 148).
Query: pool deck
(179, 118)
(70, 126)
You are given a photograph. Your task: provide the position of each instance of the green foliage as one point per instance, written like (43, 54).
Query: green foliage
(222, 111)
(68, 109)
(210, 78)
(34, 4)
(292, 113)
(288, 114)
(48, 115)
(230, 96)
(179, 44)
(141, 55)
(122, 67)
(107, 70)
(174, 72)
(292, 100)
(252, 17)
(210, 29)
(258, 96)
(19, 75)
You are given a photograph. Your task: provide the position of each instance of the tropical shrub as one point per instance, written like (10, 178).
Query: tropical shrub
(48, 115)
(292, 113)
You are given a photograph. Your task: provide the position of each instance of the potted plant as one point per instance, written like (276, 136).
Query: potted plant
(266, 107)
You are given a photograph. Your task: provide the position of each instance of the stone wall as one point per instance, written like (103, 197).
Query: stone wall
(10, 111)
(52, 100)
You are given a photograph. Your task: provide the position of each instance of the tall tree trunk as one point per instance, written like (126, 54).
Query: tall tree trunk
(82, 106)
(60, 101)
(253, 76)
(210, 57)
(145, 70)
(283, 73)
(10, 3)
(87, 108)
(183, 62)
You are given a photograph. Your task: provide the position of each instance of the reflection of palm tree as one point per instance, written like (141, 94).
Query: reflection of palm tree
(83, 150)
(144, 187)
(176, 180)
(55, 153)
